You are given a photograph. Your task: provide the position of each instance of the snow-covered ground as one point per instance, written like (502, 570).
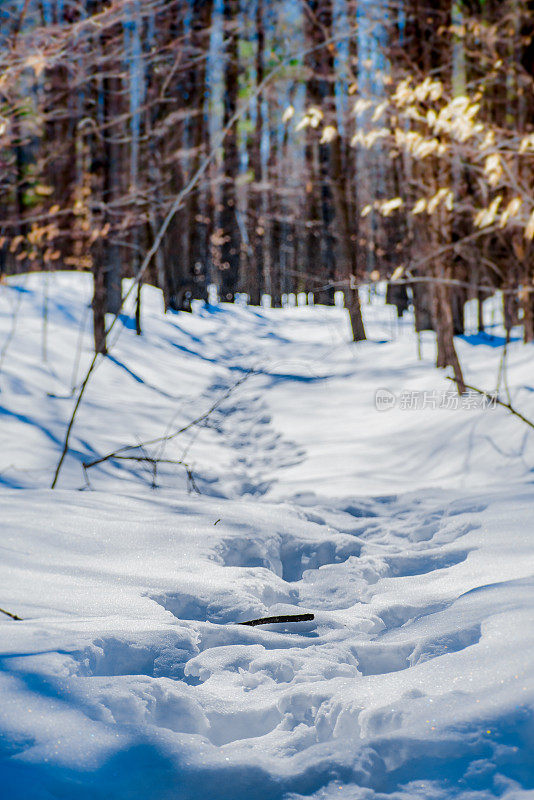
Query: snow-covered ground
(407, 533)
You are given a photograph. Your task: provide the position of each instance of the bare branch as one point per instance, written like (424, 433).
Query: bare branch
(492, 398)
(121, 454)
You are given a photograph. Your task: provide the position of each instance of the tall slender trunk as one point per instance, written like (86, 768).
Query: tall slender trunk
(198, 253)
(257, 195)
(444, 326)
(320, 94)
(113, 161)
(231, 243)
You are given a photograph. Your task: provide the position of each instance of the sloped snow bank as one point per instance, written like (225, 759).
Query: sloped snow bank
(407, 533)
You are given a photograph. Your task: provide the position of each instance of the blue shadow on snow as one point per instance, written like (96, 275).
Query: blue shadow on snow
(488, 339)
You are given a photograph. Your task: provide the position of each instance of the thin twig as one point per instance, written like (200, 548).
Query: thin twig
(492, 398)
(79, 345)
(153, 461)
(354, 282)
(44, 339)
(12, 330)
(168, 437)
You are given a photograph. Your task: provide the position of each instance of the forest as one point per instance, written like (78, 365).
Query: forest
(266, 399)
(274, 149)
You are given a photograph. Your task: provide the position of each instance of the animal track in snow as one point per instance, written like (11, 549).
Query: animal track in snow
(235, 725)
(157, 702)
(423, 562)
(249, 603)
(442, 644)
(298, 557)
(395, 616)
(287, 557)
(149, 654)
(379, 657)
(260, 452)
(326, 570)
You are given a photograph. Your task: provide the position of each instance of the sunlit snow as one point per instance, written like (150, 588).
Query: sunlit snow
(407, 533)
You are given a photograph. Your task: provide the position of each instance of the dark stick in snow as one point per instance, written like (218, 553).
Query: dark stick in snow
(9, 614)
(282, 618)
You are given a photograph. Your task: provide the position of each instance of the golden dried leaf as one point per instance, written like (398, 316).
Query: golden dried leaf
(37, 62)
(527, 143)
(304, 123)
(529, 230)
(434, 201)
(387, 208)
(329, 134)
(379, 110)
(288, 113)
(419, 207)
(510, 211)
(362, 105)
(44, 191)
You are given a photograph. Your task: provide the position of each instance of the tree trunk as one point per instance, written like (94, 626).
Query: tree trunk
(397, 296)
(112, 169)
(352, 302)
(443, 320)
(321, 94)
(99, 306)
(231, 237)
(196, 86)
(422, 303)
(480, 312)
(458, 300)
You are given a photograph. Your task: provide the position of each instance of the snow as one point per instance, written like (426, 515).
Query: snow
(407, 533)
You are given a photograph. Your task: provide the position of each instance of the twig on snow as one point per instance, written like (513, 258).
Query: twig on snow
(492, 398)
(153, 461)
(119, 453)
(9, 614)
(282, 618)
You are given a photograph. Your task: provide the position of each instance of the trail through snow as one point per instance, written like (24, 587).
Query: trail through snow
(408, 535)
